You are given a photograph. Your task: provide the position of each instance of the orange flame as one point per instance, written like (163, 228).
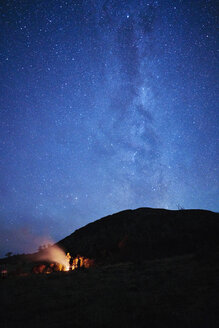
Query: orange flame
(61, 261)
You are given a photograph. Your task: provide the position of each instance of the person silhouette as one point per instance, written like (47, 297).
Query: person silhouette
(79, 262)
(71, 263)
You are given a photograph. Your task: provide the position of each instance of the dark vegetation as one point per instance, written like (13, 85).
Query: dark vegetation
(154, 268)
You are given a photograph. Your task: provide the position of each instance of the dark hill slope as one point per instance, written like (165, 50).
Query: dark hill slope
(146, 233)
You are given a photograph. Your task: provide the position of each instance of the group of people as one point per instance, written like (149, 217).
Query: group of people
(74, 263)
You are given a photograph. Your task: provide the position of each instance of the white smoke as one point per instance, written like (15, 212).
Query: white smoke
(53, 254)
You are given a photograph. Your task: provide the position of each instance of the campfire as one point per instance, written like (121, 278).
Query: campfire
(48, 260)
(59, 261)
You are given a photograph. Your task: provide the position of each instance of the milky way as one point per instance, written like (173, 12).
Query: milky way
(105, 105)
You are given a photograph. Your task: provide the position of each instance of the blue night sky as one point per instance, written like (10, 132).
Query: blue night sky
(105, 105)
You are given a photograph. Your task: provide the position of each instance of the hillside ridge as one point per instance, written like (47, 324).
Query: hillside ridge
(145, 233)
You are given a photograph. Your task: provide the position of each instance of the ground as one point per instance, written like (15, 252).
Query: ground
(180, 291)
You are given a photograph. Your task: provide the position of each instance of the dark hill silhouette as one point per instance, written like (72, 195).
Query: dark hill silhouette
(146, 233)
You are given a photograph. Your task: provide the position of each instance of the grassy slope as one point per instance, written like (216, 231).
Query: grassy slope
(172, 292)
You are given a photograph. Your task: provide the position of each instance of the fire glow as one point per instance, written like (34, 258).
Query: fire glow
(54, 254)
(59, 261)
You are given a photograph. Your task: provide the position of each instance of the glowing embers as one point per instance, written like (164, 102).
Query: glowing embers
(61, 262)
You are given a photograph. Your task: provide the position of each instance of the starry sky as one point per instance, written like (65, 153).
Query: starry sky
(105, 105)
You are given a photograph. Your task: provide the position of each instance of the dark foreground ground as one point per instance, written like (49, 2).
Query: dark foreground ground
(176, 292)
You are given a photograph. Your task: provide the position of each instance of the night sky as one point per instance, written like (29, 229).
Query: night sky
(105, 105)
